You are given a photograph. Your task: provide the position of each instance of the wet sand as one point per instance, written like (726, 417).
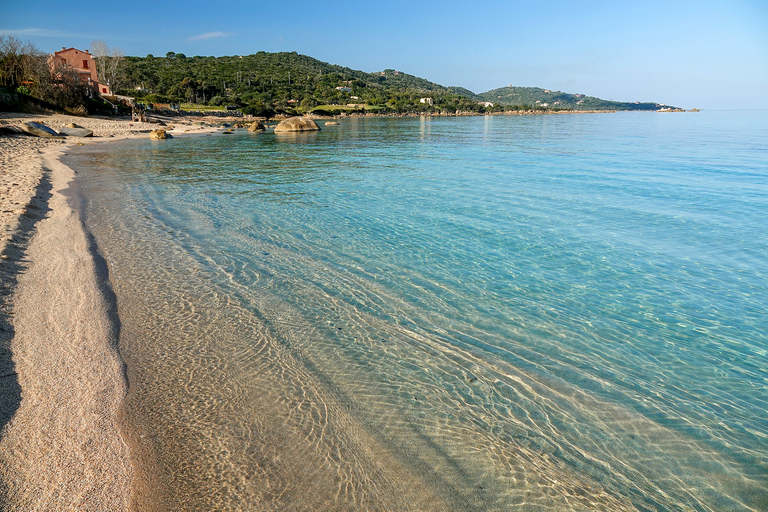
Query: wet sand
(62, 381)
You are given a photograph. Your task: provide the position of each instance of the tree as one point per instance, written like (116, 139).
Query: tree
(100, 52)
(108, 62)
(16, 62)
(113, 70)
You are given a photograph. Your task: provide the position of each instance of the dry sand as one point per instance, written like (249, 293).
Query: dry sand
(61, 377)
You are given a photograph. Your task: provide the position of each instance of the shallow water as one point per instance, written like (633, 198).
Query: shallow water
(489, 313)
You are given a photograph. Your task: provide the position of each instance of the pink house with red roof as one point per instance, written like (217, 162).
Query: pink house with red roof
(84, 64)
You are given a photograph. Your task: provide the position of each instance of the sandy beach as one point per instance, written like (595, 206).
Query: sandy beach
(61, 378)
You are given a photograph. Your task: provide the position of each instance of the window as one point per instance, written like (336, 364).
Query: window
(85, 64)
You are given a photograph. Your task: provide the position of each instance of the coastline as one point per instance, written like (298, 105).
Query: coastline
(62, 380)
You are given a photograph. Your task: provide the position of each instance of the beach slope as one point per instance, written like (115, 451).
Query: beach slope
(62, 448)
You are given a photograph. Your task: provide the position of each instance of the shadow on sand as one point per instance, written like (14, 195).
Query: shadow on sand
(13, 264)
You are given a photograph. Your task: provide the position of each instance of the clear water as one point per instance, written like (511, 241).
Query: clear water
(488, 313)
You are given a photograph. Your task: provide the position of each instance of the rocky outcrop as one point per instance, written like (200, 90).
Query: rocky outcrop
(159, 135)
(39, 130)
(297, 124)
(256, 126)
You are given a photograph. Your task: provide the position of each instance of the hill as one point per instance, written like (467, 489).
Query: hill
(264, 83)
(284, 81)
(558, 100)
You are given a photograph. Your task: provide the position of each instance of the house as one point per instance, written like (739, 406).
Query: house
(83, 63)
(428, 101)
(485, 104)
(344, 89)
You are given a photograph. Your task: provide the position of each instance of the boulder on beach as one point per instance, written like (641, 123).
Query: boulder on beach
(7, 129)
(256, 126)
(297, 124)
(39, 130)
(159, 134)
(76, 131)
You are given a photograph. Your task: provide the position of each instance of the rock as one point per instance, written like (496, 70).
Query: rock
(10, 130)
(297, 124)
(159, 135)
(256, 126)
(73, 125)
(76, 131)
(39, 130)
(331, 123)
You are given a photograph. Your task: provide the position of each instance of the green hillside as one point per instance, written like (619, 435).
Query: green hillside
(535, 96)
(281, 82)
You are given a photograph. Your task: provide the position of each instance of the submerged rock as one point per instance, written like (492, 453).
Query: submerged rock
(331, 123)
(256, 126)
(39, 130)
(297, 124)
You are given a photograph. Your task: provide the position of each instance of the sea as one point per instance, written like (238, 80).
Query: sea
(493, 313)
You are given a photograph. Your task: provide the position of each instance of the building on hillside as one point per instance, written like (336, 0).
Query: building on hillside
(428, 101)
(485, 104)
(83, 63)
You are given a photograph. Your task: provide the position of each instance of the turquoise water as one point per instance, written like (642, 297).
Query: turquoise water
(563, 312)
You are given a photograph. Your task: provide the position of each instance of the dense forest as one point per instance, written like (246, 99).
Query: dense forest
(283, 82)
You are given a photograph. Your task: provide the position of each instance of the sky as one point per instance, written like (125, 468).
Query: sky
(710, 54)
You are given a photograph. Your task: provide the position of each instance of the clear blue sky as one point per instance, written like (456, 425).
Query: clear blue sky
(704, 53)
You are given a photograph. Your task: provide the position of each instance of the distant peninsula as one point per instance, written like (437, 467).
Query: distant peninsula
(561, 100)
(266, 84)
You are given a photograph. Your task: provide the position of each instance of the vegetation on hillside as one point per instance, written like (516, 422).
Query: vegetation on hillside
(265, 83)
(557, 100)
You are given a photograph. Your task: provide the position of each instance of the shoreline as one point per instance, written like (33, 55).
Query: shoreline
(62, 380)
